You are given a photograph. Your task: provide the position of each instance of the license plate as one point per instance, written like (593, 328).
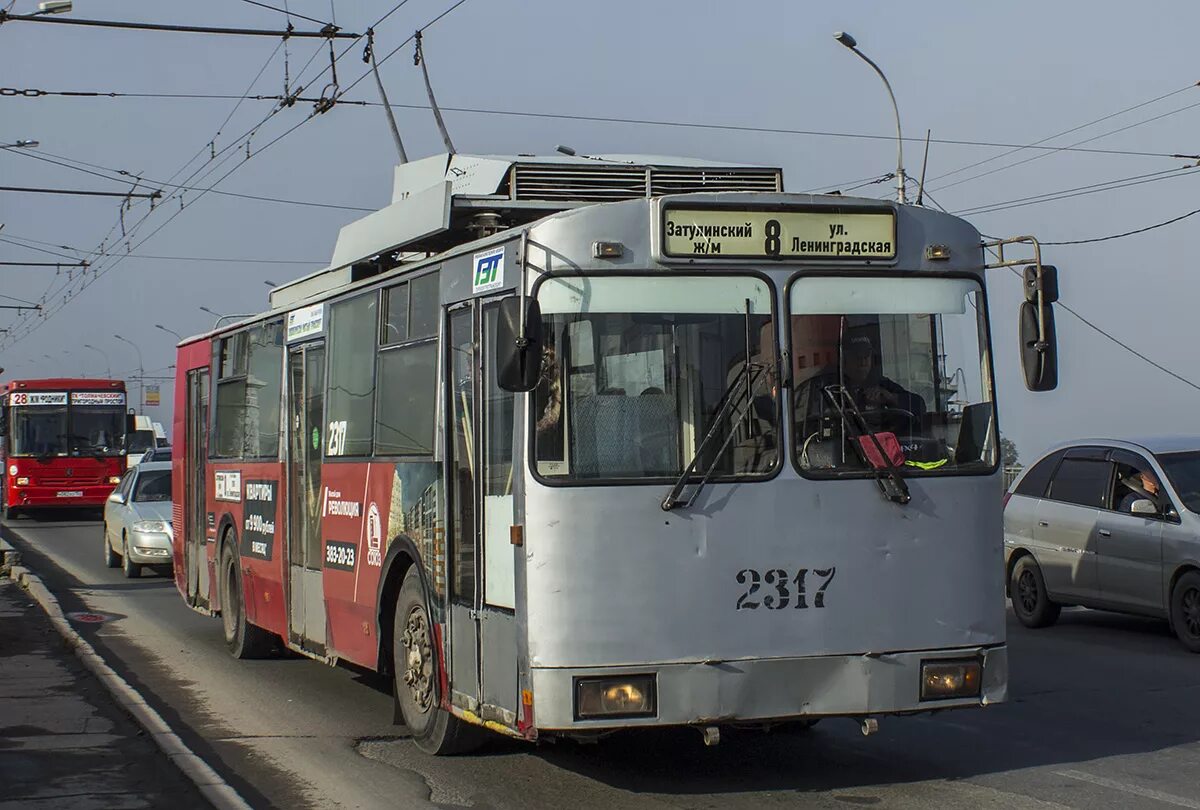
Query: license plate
(70, 493)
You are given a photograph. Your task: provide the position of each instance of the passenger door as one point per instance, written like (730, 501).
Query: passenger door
(1130, 546)
(483, 629)
(1067, 518)
(305, 412)
(195, 530)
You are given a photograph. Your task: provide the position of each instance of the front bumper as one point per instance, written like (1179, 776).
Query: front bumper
(773, 689)
(41, 497)
(149, 548)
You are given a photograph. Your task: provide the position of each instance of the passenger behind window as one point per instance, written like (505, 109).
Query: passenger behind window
(1137, 485)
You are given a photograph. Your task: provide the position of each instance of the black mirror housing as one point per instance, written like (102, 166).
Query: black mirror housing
(1039, 350)
(1049, 283)
(518, 353)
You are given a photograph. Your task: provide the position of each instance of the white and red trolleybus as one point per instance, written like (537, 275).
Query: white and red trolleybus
(575, 445)
(63, 442)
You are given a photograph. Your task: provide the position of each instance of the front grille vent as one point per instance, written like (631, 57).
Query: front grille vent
(607, 182)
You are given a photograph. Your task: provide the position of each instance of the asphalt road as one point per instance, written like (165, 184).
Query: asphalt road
(1104, 712)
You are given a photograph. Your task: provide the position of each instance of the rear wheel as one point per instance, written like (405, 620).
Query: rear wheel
(111, 560)
(129, 568)
(415, 669)
(244, 640)
(1030, 600)
(1185, 610)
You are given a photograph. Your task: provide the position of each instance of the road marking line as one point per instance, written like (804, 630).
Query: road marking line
(1125, 787)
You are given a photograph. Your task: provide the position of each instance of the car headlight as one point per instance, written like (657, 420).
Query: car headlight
(628, 696)
(152, 526)
(941, 680)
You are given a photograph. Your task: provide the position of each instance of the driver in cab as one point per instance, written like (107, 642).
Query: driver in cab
(874, 392)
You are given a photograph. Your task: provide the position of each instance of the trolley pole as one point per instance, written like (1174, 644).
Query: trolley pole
(845, 39)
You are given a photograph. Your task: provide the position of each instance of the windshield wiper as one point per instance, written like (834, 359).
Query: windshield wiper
(892, 486)
(750, 376)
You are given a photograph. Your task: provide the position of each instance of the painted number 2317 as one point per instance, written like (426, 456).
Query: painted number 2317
(776, 589)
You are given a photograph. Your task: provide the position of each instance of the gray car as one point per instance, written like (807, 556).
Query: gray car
(1108, 524)
(137, 520)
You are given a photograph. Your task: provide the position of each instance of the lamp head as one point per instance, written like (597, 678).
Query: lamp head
(845, 39)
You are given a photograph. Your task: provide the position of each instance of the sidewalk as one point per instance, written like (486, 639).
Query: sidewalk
(64, 743)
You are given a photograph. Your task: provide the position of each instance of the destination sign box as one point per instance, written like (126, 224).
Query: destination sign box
(37, 398)
(791, 234)
(97, 397)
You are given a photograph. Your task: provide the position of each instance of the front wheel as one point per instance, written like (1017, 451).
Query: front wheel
(1185, 610)
(1030, 600)
(244, 640)
(11, 513)
(415, 671)
(111, 560)
(129, 568)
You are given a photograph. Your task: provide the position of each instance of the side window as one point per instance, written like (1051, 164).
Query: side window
(230, 414)
(263, 387)
(1135, 480)
(350, 399)
(1038, 478)
(1082, 481)
(407, 369)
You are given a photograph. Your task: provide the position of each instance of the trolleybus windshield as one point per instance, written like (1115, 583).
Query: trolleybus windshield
(636, 370)
(909, 355)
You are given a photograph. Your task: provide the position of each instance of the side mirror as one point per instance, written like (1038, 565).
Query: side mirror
(117, 497)
(518, 356)
(1039, 346)
(1049, 283)
(1144, 506)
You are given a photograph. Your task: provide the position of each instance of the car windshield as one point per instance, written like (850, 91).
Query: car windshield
(637, 370)
(96, 430)
(1183, 469)
(904, 359)
(153, 485)
(39, 430)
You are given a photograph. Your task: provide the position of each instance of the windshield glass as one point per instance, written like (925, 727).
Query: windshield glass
(140, 441)
(39, 430)
(910, 356)
(153, 485)
(635, 370)
(1183, 469)
(96, 430)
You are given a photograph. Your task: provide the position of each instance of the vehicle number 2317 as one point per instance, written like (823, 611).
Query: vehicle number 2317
(776, 588)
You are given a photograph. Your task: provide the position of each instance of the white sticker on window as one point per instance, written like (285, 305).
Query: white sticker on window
(489, 270)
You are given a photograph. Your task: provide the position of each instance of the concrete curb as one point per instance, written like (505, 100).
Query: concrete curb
(219, 793)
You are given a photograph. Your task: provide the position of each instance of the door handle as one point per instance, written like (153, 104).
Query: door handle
(1043, 523)
(1105, 533)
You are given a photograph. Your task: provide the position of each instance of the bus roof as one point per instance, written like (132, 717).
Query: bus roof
(48, 383)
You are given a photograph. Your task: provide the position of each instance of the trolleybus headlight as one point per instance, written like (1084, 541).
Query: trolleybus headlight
(950, 679)
(23, 481)
(12, 469)
(627, 696)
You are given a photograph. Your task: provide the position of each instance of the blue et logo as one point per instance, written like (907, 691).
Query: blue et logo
(489, 270)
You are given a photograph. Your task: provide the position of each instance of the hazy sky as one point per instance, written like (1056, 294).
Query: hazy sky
(1010, 73)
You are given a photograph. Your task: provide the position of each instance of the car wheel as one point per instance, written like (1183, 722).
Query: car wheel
(243, 639)
(1185, 610)
(415, 673)
(131, 569)
(111, 560)
(1030, 600)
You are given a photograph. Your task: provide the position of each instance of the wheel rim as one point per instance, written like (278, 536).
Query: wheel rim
(418, 659)
(1190, 611)
(1027, 591)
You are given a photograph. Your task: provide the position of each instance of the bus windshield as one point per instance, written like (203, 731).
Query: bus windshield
(96, 430)
(38, 430)
(637, 371)
(904, 359)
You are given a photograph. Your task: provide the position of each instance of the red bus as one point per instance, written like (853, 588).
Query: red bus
(63, 440)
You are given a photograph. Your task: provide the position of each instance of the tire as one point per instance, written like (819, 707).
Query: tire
(1030, 600)
(1185, 610)
(111, 558)
(243, 639)
(129, 568)
(11, 513)
(415, 678)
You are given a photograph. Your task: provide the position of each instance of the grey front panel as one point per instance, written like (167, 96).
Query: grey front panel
(612, 579)
(1066, 539)
(498, 640)
(464, 653)
(1129, 560)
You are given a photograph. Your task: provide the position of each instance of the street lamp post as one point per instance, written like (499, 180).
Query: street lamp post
(165, 329)
(845, 39)
(221, 317)
(141, 371)
(107, 365)
(20, 144)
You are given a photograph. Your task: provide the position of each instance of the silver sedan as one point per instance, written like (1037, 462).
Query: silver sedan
(137, 520)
